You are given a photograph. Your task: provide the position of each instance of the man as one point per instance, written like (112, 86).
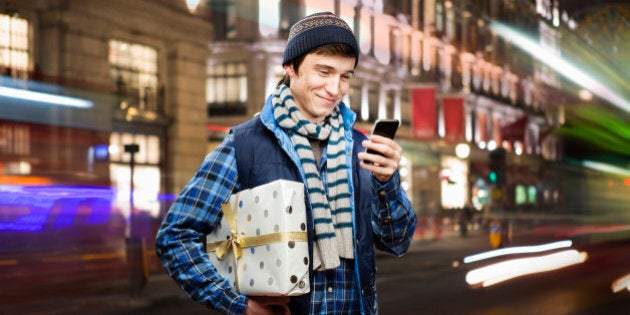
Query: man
(354, 200)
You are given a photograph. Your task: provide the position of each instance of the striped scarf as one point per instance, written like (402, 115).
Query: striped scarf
(331, 213)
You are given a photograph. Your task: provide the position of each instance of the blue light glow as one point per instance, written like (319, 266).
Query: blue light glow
(30, 209)
(45, 97)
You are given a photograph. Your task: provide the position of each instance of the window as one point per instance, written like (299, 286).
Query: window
(146, 180)
(396, 43)
(347, 14)
(373, 100)
(14, 140)
(268, 17)
(439, 17)
(224, 18)
(226, 88)
(382, 41)
(365, 31)
(133, 68)
(14, 45)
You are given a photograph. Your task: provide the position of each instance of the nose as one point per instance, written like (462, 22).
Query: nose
(333, 85)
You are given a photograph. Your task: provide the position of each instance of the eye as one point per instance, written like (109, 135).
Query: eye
(324, 73)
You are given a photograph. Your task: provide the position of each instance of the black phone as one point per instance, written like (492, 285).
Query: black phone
(386, 128)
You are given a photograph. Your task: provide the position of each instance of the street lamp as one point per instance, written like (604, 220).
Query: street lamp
(462, 151)
(134, 248)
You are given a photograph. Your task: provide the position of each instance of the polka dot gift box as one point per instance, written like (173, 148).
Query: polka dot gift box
(261, 245)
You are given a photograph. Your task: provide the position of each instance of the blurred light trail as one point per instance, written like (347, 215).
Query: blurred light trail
(517, 250)
(30, 208)
(593, 230)
(44, 97)
(603, 167)
(621, 283)
(510, 269)
(560, 65)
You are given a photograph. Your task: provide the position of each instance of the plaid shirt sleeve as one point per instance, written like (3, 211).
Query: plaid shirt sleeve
(195, 212)
(393, 219)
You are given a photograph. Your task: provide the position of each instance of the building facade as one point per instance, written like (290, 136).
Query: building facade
(141, 65)
(173, 76)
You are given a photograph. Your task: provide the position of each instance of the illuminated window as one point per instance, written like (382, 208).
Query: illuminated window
(147, 174)
(14, 44)
(133, 68)
(14, 140)
(382, 41)
(532, 194)
(226, 88)
(149, 152)
(268, 17)
(365, 31)
(347, 13)
(520, 195)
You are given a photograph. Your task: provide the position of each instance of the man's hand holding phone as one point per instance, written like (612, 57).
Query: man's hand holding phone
(382, 154)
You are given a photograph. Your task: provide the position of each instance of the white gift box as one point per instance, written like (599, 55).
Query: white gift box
(266, 227)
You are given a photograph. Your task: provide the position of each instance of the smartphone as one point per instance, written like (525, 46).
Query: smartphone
(386, 128)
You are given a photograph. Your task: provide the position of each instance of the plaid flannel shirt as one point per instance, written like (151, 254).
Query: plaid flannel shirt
(196, 211)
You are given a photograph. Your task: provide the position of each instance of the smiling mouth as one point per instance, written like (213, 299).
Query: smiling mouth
(331, 101)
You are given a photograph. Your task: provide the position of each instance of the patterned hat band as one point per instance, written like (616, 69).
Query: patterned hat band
(317, 30)
(313, 21)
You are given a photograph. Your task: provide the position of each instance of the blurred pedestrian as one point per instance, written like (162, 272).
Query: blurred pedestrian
(304, 133)
(465, 218)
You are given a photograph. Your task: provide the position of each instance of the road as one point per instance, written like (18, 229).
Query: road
(429, 279)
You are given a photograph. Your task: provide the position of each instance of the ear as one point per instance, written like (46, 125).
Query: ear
(289, 71)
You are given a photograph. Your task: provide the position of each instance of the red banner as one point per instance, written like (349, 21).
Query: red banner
(424, 113)
(454, 123)
(481, 130)
(516, 130)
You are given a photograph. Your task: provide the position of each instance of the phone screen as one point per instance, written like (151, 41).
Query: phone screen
(386, 128)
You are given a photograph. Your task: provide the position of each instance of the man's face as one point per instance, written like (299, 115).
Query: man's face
(321, 83)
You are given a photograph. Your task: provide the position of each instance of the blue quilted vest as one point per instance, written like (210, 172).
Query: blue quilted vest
(263, 155)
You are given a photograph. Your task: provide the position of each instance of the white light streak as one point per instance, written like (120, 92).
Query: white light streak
(518, 250)
(603, 167)
(621, 283)
(44, 97)
(560, 65)
(510, 269)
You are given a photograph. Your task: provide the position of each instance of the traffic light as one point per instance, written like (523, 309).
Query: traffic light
(492, 176)
(497, 165)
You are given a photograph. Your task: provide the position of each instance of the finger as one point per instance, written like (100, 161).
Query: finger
(380, 149)
(383, 174)
(380, 139)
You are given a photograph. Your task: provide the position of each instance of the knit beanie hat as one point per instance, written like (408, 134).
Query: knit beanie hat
(316, 30)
